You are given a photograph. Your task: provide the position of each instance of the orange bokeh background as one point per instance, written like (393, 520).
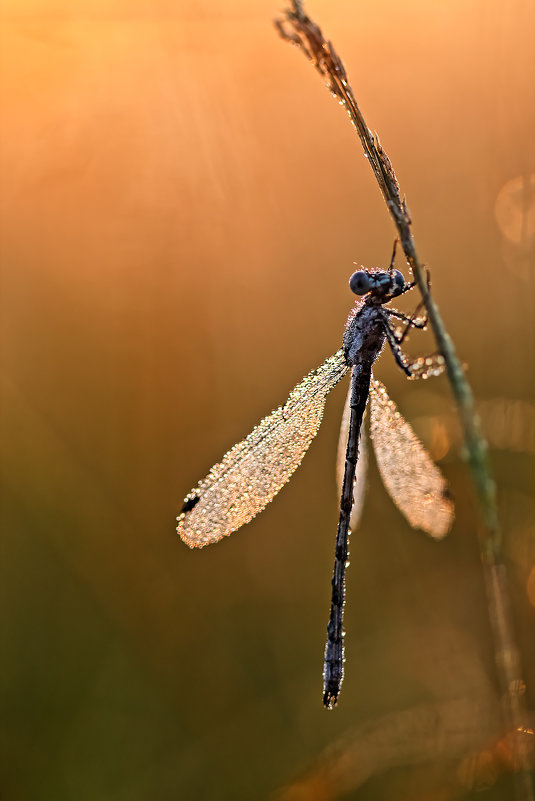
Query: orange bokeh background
(181, 206)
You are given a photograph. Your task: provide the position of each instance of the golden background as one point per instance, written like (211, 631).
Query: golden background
(181, 206)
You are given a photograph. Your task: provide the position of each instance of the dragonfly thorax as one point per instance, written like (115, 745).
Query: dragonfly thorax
(364, 336)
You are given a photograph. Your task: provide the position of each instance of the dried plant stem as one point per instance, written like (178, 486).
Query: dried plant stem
(300, 30)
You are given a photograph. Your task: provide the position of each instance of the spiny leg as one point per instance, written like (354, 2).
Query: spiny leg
(427, 366)
(393, 259)
(422, 367)
(410, 322)
(412, 284)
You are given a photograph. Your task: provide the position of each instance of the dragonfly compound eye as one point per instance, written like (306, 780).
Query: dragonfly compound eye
(360, 283)
(398, 281)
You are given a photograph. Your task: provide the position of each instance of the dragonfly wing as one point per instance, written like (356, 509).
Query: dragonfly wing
(253, 471)
(412, 479)
(359, 487)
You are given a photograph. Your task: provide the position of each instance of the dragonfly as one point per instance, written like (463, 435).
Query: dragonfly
(252, 472)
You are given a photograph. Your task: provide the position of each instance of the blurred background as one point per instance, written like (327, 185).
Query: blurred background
(182, 203)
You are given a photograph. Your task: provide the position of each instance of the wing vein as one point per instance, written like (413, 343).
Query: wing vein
(252, 472)
(412, 479)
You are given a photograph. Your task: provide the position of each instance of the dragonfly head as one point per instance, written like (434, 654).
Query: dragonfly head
(383, 285)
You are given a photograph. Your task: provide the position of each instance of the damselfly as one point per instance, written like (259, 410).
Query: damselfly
(250, 475)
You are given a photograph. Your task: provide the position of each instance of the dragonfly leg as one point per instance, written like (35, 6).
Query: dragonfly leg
(393, 259)
(427, 366)
(411, 322)
(408, 287)
(398, 354)
(412, 284)
(422, 367)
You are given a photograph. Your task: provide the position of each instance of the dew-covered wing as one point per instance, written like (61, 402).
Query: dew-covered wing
(359, 487)
(253, 471)
(414, 482)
